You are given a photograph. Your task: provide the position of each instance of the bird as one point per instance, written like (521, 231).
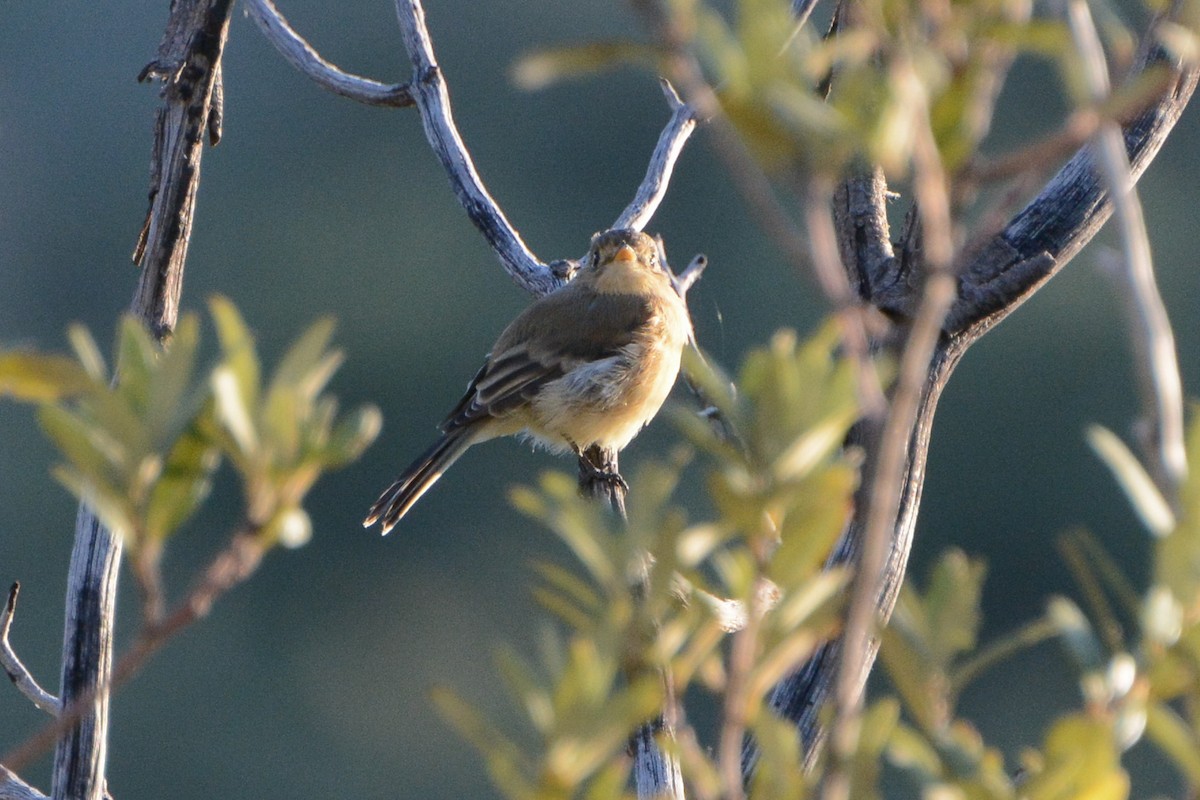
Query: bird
(588, 364)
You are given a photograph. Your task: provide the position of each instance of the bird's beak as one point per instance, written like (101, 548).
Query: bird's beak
(625, 254)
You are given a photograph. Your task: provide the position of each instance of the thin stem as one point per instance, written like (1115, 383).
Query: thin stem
(13, 788)
(859, 641)
(1150, 330)
(301, 55)
(756, 190)
(230, 567)
(1001, 650)
(662, 163)
(17, 672)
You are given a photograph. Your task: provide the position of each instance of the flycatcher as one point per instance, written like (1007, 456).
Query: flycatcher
(588, 364)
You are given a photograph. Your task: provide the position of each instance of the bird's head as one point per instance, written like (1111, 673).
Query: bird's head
(622, 261)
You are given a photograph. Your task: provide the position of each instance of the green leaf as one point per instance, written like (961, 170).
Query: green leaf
(231, 411)
(88, 353)
(168, 404)
(110, 505)
(352, 434)
(521, 681)
(915, 676)
(306, 365)
(237, 349)
(909, 750)
(36, 378)
(951, 601)
(137, 355)
(506, 766)
(1175, 738)
(183, 485)
(1154, 511)
(775, 775)
(90, 449)
(1081, 761)
(818, 511)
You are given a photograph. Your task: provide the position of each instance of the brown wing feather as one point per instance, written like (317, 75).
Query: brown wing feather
(524, 359)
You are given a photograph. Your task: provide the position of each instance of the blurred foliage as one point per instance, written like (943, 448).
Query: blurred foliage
(662, 594)
(807, 104)
(665, 596)
(141, 446)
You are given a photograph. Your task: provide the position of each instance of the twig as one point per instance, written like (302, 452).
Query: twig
(1001, 651)
(1038, 156)
(658, 174)
(756, 190)
(189, 58)
(17, 672)
(738, 693)
(13, 788)
(433, 102)
(859, 642)
(691, 273)
(656, 774)
(1155, 359)
(230, 567)
(301, 55)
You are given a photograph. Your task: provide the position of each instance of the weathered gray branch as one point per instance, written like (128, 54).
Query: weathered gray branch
(1155, 361)
(13, 788)
(301, 55)
(993, 282)
(189, 62)
(17, 671)
(433, 101)
(658, 174)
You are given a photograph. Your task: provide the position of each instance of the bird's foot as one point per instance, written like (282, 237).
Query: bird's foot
(602, 473)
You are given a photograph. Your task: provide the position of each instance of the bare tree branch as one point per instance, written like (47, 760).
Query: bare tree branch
(13, 788)
(433, 101)
(1156, 363)
(17, 672)
(189, 58)
(870, 589)
(301, 55)
(992, 282)
(1065, 215)
(662, 163)
(229, 568)
(187, 63)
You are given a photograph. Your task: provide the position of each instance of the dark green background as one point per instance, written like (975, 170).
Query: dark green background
(313, 679)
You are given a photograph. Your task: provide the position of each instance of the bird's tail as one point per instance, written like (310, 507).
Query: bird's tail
(395, 502)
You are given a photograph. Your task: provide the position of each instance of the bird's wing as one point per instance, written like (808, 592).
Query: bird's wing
(530, 354)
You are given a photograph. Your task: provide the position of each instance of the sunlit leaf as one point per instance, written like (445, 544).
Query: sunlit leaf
(88, 352)
(183, 486)
(36, 378)
(237, 348)
(1176, 739)
(1081, 761)
(952, 597)
(1147, 501)
(353, 434)
(231, 410)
